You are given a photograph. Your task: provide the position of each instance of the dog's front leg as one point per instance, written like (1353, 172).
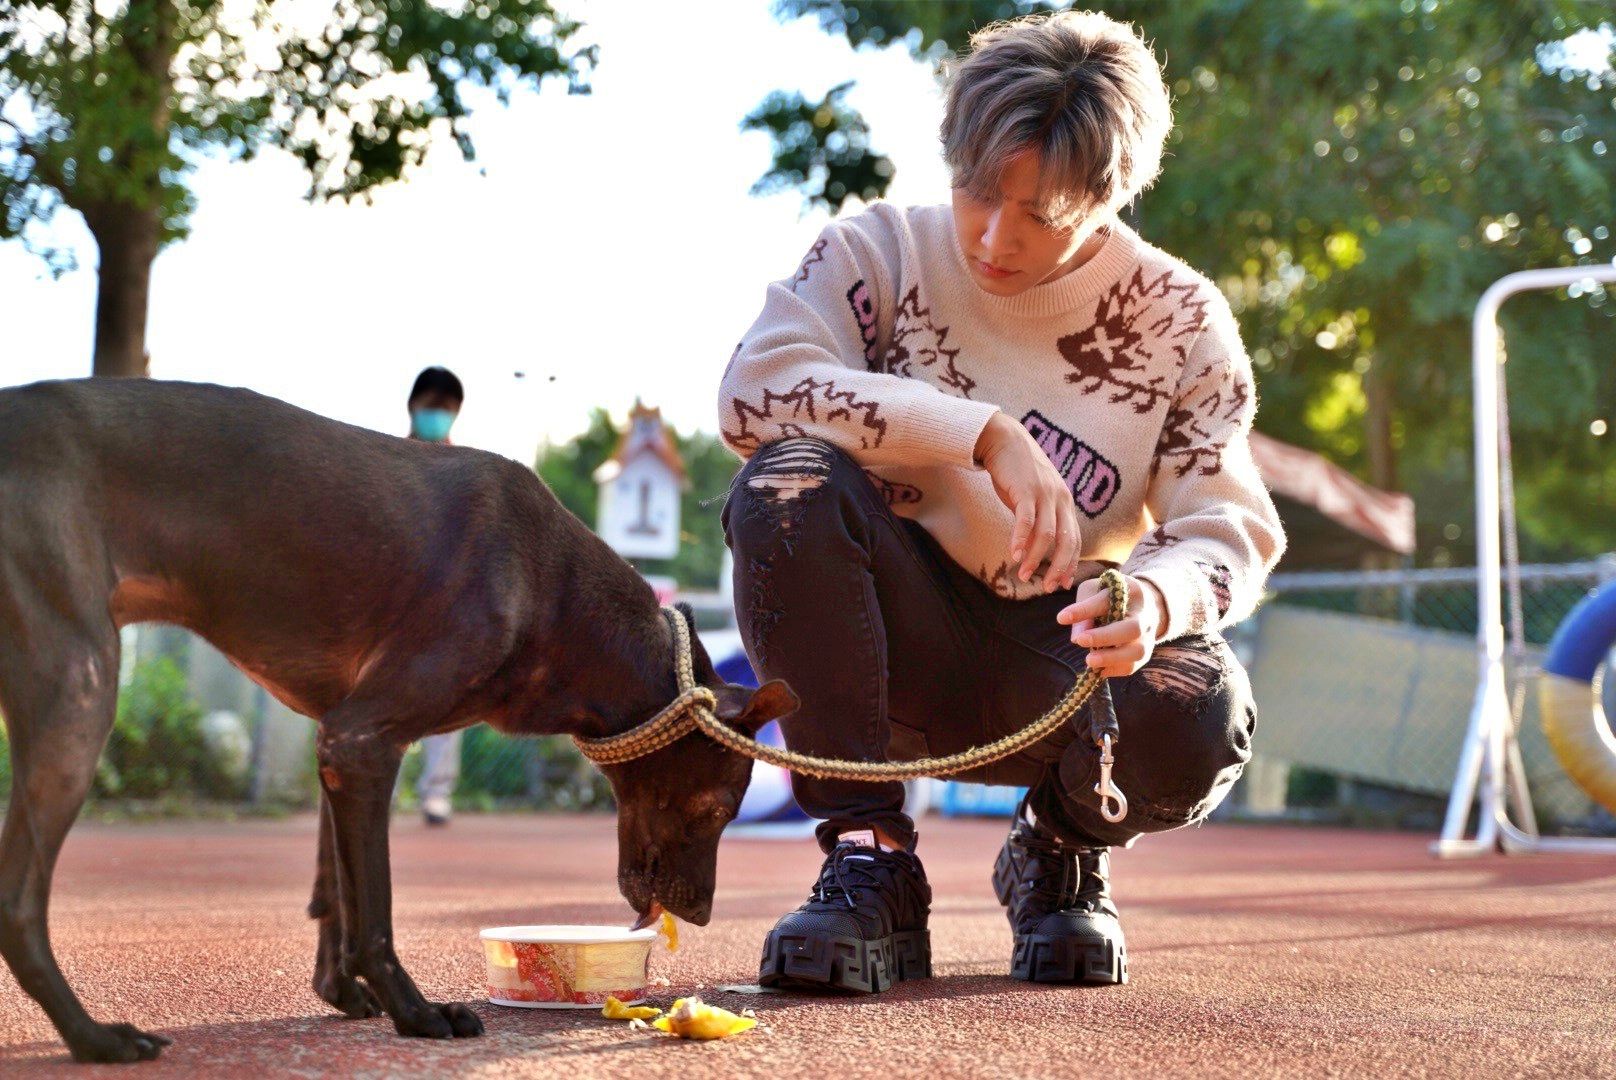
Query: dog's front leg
(343, 992)
(358, 764)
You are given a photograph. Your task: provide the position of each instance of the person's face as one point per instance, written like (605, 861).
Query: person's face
(431, 414)
(1008, 246)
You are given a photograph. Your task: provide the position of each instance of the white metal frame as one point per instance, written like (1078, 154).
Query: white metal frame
(1490, 762)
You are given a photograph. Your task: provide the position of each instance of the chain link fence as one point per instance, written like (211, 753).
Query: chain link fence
(1365, 681)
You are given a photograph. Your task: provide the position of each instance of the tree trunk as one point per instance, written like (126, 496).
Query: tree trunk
(1378, 425)
(128, 233)
(127, 239)
(1379, 403)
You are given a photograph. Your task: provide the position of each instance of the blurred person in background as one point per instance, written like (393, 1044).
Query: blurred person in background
(434, 403)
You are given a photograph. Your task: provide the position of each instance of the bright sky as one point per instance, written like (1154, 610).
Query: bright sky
(611, 250)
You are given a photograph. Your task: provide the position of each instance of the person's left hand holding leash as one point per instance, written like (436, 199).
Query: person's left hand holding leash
(1119, 648)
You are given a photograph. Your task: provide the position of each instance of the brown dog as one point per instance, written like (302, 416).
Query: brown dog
(390, 589)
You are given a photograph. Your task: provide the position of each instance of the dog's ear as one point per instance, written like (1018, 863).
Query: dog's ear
(747, 709)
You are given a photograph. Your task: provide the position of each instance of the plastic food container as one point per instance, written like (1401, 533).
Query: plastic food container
(566, 967)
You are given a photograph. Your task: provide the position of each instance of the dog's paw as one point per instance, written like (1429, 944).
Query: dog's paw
(440, 1022)
(348, 996)
(466, 1023)
(117, 1043)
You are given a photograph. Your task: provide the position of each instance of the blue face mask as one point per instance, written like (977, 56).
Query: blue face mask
(431, 424)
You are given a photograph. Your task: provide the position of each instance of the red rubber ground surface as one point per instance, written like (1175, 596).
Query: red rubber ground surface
(1255, 952)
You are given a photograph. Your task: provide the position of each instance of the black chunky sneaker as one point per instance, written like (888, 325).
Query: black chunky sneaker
(1058, 898)
(862, 929)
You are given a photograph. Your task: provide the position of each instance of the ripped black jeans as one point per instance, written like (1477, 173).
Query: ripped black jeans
(898, 653)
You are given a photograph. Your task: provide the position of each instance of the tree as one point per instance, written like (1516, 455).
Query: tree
(1354, 176)
(104, 109)
(569, 469)
(822, 148)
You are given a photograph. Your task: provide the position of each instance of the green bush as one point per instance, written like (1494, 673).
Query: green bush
(1311, 787)
(543, 773)
(492, 764)
(157, 748)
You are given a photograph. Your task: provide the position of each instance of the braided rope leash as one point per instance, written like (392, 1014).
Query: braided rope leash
(693, 709)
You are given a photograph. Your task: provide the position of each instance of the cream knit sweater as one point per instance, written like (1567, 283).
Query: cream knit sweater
(1128, 371)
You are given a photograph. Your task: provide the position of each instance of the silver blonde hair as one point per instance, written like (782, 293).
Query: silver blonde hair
(1078, 88)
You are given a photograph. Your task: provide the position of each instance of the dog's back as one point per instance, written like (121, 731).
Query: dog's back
(120, 442)
(226, 511)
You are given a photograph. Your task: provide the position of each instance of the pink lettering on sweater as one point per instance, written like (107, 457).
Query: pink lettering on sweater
(864, 314)
(1092, 480)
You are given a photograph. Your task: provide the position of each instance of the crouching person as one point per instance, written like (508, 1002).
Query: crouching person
(954, 418)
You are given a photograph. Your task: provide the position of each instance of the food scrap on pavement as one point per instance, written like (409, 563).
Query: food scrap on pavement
(693, 1018)
(616, 1010)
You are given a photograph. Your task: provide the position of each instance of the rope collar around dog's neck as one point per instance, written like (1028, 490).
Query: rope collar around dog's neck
(670, 724)
(693, 710)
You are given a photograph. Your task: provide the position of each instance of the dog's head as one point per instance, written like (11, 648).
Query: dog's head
(673, 804)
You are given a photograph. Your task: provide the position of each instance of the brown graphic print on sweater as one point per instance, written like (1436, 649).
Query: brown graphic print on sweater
(1188, 436)
(918, 342)
(1115, 352)
(816, 254)
(795, 412)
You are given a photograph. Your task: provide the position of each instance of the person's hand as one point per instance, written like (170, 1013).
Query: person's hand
(1027, 483)
(1123, 647)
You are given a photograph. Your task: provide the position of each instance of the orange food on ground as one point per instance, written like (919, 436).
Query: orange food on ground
(616, 1010)
(693, 1018)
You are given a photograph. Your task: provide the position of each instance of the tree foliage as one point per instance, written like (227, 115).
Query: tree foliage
(821, 148)
(106, 108)
(1354, 176)
(102, 108)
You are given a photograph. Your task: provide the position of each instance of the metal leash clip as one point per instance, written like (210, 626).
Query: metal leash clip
(1105, 789)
